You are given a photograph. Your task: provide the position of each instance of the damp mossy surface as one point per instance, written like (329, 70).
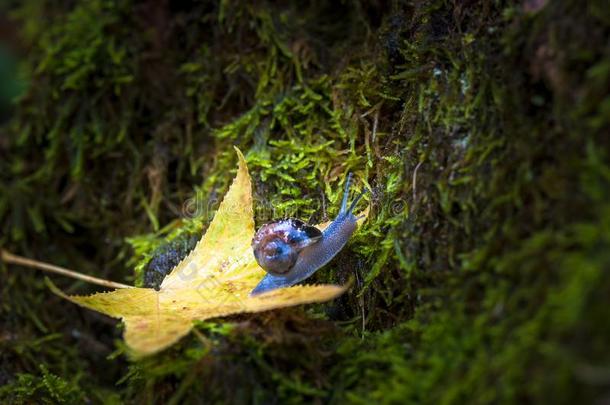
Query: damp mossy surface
(481, 128)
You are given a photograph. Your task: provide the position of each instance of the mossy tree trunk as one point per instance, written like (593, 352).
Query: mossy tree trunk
(480, 127)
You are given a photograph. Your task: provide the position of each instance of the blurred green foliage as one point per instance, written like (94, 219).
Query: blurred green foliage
(11, 85)
(481, 128)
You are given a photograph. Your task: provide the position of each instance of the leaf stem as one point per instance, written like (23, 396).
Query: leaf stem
(8, 257)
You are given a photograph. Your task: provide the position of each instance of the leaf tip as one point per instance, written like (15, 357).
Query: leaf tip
(241, 158)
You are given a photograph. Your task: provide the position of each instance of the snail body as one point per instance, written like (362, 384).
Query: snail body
(291, 251)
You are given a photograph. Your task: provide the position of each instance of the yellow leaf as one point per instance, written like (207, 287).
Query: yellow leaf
(214, 280)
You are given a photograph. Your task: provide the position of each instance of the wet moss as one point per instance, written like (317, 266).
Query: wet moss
(480, 129)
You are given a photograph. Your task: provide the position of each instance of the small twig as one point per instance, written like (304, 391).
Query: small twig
(414, 183)
(361, 303)
(207, 343)
(375, 123)
(373, 108)
(323, 203)
(8, 257)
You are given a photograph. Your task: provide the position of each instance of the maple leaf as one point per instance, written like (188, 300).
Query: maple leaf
(214, 280)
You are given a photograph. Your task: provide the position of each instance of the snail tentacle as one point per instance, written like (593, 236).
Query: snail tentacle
(358, 197)
(345, 193)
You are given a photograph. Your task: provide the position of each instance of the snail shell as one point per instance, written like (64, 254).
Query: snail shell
(277, 244)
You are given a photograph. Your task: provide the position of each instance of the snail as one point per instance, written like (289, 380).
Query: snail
(290, 250)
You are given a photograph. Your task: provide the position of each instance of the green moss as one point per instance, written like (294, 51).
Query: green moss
(47, 388)
(480, 129)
